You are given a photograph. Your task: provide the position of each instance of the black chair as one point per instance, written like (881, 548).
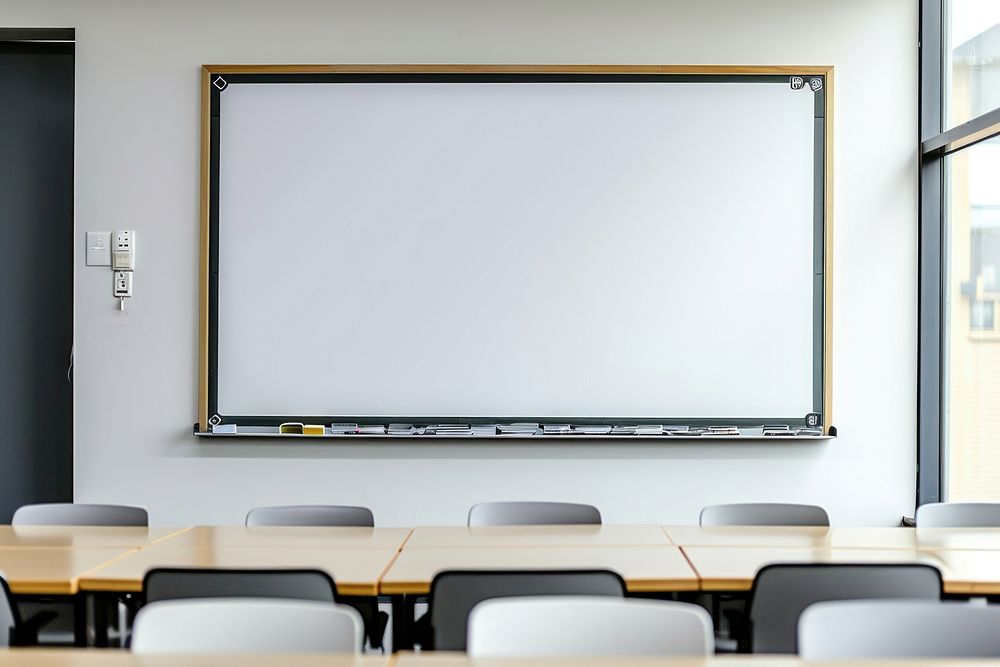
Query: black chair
(454, 593)
(781, 592)
(169, 583)
(176, 583)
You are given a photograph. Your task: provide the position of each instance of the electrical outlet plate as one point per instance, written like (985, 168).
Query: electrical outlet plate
(123, 284)
(123, 253)
(98, 248)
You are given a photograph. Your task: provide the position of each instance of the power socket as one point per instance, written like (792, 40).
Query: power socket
(123, 284)
(123, 252)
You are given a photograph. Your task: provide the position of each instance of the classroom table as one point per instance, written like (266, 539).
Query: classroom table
(967, 572)
(454, 659)
(734, 568)
(53, 570)
(537, 536)
(291, 537)
(33, 657)
(793, 536)
(83, 536)
(356, 571)
(645, 569)
(958, 538)
(33, 572)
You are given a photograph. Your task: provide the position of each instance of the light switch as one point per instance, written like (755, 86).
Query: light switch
(98, 248)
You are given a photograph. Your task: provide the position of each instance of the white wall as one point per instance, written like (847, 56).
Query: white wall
(137, 167)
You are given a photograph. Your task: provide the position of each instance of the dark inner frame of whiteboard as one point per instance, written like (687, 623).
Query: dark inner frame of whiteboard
(819, 225)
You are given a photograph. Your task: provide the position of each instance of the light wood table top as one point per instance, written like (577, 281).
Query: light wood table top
(958, 538)
(454, 659)
(289, 537)
(793, 536)
(53, 570)
(536, 536)
(734, 568)
(645, 569)
(64, 657)
(356, 571)
(969, 572)
(82, 536)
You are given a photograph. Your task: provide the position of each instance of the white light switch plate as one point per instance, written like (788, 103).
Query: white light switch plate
(98, 248)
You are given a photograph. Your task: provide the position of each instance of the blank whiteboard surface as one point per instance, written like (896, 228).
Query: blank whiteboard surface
(632, 249)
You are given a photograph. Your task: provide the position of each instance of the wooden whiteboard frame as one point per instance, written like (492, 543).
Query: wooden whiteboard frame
(208, 71)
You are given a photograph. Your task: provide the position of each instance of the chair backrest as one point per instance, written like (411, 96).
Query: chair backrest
(532, 514)
(782, 592)
(454, 593)
(763, 514)
(246, 625)
(9, 618)
(958, 515)
(311, 515)
(588, 626)
(79, 514)
(185, 583)
(899, 629)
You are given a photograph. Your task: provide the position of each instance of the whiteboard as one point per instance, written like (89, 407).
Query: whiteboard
(628, 249)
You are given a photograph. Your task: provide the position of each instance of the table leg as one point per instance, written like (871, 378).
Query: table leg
(402, 622)
(80, 620)
(101, 604)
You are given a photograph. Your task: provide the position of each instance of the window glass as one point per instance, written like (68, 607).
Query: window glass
(972, 59)
(972, 323)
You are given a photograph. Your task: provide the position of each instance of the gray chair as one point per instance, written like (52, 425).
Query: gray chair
(79, 514)
(185, 583)
(311, 515)
(781, 592)
(588, 626)
(532, 514)
(898, 629)
(958, 515)
(246, 625)
(454, 593)
(763, 514)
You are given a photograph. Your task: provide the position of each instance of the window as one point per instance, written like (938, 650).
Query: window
(973, 59)
(972, 342)
(959, 411)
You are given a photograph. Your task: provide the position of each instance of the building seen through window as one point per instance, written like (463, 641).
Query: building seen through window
(972, 260)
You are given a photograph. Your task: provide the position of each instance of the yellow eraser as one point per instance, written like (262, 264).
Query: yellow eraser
(313, 429)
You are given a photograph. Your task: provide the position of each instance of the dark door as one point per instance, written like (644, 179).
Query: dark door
(36, 267)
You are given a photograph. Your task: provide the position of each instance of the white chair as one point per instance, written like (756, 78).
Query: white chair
(246, 625)
(898, 629)
(79, 514)
(532, 514)
(588, 626)
(958, 515)
(763, 514)
(311, 515)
